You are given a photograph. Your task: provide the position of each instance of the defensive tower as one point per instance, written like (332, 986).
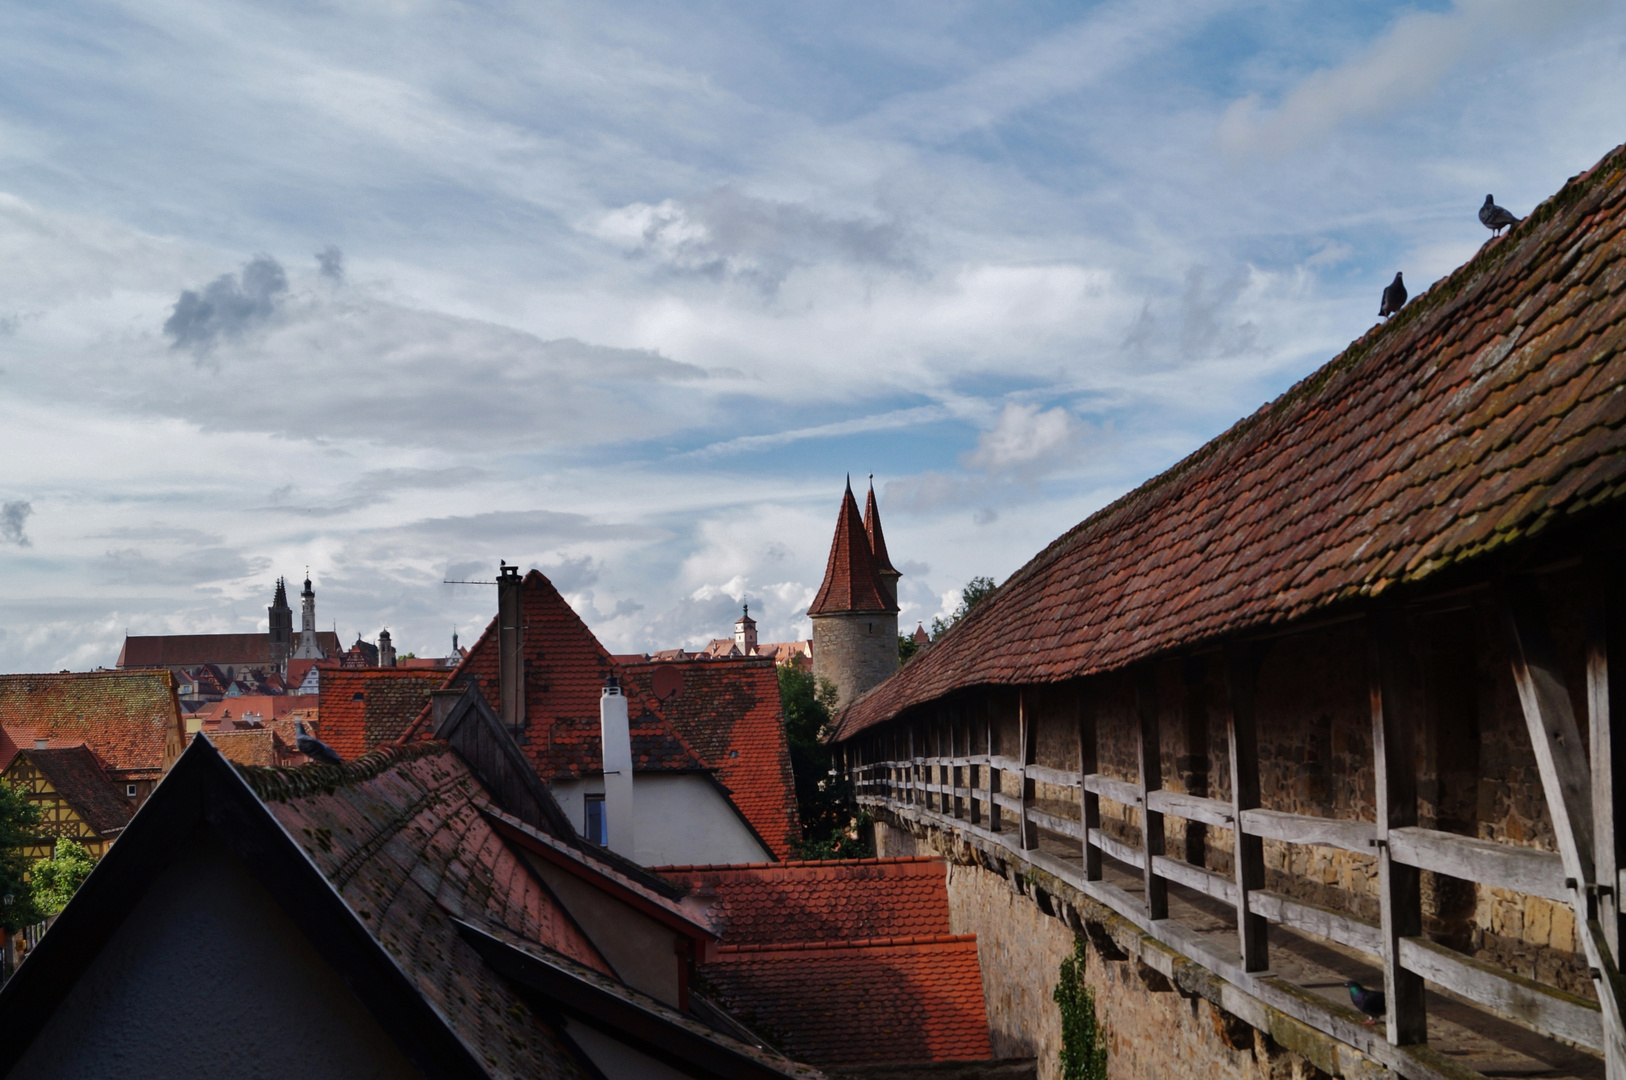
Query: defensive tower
(855, 614)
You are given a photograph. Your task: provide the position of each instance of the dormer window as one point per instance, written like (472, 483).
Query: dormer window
(130, 791)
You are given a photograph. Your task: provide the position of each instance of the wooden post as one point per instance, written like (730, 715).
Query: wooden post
(1394, 755)
(1606, 750)
(1030, 746)
(1248, 852)
(1194, 772)
(993, 772)
(973, 775)
(1088, 762)
(940, 771)
(914, 769)
(1151, 779)
(1566, 779)
(957, 774)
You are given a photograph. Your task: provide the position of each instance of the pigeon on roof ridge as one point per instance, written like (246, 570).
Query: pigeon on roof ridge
(314, 748)
(1495, 218)
(1394, 297)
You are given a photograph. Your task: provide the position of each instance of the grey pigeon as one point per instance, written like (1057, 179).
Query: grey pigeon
(314, 748)
(1394, 297)
(1370, 1002)
(1494, 218)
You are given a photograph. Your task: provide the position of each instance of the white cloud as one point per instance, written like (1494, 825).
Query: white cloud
(1026, 441)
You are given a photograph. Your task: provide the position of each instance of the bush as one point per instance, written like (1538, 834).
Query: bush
(1083, 1050)
(831, 827)
(19, 822)
(55, 880)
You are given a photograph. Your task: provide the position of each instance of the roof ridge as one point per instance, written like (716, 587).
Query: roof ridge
(825, 945)
(692, 868)
(279, 783)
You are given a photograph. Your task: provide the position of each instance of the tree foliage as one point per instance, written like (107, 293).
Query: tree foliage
(19, 825)
(55, 880)
(1083, 1046)
(831, 828)
(907, 647)
(975, 592)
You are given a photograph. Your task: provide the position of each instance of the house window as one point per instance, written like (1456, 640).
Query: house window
(597, 830)
(129, 790)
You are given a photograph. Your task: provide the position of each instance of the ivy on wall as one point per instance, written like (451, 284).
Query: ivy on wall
(1083, 1047)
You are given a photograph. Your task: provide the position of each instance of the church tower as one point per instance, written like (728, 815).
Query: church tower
(855, 614)
(745, 633)
(282, 627)
(309, 648)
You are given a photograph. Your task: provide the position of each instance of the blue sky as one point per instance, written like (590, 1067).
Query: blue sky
(625, 291)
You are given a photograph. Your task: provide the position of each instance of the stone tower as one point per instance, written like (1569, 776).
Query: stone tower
(309, 648)
(745, 632)
(282, 627)
(855, 614)
(386, 649)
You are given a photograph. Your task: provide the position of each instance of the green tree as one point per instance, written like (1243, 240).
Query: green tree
(831, 829)
(1083, 1048)
(907, 647)
(19, 825)
(975, 592)
(55, 880)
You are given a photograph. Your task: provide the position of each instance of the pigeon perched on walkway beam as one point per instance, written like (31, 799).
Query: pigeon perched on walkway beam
(1370, 1002)
(1394, 297)
(1495, 218)
(314, 748)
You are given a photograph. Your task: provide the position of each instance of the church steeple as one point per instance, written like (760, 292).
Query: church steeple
(308, 648)
(282, 627)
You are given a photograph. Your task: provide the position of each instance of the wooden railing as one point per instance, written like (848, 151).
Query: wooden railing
(962, 792)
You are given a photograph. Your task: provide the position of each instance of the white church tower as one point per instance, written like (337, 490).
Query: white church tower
(308, 649)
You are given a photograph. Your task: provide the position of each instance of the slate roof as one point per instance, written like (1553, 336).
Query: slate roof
(565, 668)
(1492, 407)
(84, 785)
(849, 1003)
(185, 650)
(363, 708)
(850, 579)
(131, 719)
(843, 900)
(729, 712)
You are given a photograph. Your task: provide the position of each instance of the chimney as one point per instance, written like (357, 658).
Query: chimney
(617, 742)
(510, 651)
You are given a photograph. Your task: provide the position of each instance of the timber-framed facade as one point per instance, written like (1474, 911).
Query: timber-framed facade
(1335, 695)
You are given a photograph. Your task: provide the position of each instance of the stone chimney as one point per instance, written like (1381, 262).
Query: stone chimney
(386, 649)
(511, 650)
(617, 745)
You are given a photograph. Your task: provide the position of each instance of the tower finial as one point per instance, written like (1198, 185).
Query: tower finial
(849, 483)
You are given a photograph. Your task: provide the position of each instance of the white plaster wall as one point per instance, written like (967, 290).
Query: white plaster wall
(208, 978)
(681, 819)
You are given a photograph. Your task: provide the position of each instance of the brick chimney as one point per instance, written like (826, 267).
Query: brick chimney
(617, 744)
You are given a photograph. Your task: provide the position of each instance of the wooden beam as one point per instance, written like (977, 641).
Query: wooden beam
(994, 784)
(1191, 807)
(1549, 1011)
(1603, 640)
(1356, 836)
(972, 771)
(956, 771)
(1150, 764)
(1194, 770)
(1089, 801)
(1030, 752)
(1522, 869)
(1566, 779)
(1248, 852)
(1394, 754)
(1119, 791)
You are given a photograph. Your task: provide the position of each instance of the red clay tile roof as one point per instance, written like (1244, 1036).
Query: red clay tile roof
(265, 706)
(131, 719)
(821, 901)
(846, 1004)
(400, 836)
(729, 712)
(850, 580)
(263, 747)
(178, 650)
(363, 708)
(83, 784)
(1488, 409)
(565, 668)
(877, 539)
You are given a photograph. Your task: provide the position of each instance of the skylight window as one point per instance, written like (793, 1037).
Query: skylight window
(596, 827)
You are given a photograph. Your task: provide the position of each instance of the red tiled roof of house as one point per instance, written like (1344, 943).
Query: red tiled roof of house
(850, 581)
(401, 838)
(1488, 410)
(565, 667)
(255, 747)
(845, 900)
(187, 650)
(131, 719)
(729, 712)
(877, 539)
(363, 708)
(83, 784)
(847, 1004)
(265, 706)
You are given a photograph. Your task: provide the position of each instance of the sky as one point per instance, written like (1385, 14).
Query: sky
(395, 291)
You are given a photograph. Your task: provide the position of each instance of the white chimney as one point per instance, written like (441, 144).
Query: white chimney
(617, 739)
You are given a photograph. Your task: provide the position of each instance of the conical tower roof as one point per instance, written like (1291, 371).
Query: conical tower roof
(877, 541)
(851, 582)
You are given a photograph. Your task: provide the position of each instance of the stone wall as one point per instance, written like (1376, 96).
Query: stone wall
(1155, 1030)
(855, 651)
